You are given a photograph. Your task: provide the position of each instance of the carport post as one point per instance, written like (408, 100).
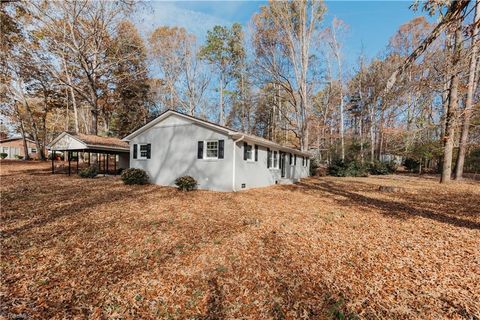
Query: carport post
(104, 165)
(108, 158)
(115, 164)
(78, 156)
(69, 161)
(89, 159)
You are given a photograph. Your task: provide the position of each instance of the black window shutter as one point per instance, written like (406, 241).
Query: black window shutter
(149, 150)
(291, 159)
(295, 160)
(221, 147)
(269, 158)
(134, 151)
(256, 153)
(245, 146)
(200, 150)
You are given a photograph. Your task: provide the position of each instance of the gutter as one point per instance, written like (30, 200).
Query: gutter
(234, 158)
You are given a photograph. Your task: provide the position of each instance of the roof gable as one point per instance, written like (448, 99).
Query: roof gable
(172, 120)
(66, 141)
(79, 141)
(171, 117)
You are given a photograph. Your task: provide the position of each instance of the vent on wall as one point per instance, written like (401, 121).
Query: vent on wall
(276, 181)
(244, 185)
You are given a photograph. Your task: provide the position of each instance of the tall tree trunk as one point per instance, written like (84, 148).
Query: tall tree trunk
(34, 125)
(469, 101)
(22, 132)
(222, 113)
(243, 101)
(372, 134)
(75, 111)
(380, 135)
(451, 113)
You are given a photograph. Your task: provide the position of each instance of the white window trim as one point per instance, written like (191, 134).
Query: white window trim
(252, 153)
(273, 159)
(139, 152)
(205, 142)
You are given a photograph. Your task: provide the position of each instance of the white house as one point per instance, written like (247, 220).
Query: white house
(219, 158)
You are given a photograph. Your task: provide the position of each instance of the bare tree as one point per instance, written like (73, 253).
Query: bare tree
(467, 113)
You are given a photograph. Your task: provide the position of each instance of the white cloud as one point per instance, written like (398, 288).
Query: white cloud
(167, 13)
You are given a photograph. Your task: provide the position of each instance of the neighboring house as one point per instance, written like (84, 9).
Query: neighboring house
(219, 158)
(14, 148)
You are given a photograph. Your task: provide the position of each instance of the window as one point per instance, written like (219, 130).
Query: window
(211, 151)
(275, 159)
(143, 151)
(248, 154)
(5, 149)
(33, 150)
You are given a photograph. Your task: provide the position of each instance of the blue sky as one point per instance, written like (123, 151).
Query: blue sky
(371, 23)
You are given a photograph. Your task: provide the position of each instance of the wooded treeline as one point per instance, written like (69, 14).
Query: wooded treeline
(83, 66)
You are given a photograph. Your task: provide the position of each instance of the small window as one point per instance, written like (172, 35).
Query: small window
(249, 155)
(143, 151)
(211, 151)
(33, 150)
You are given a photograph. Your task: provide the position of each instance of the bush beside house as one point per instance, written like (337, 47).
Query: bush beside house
(186, 183)
(134, 176)
(3, 155)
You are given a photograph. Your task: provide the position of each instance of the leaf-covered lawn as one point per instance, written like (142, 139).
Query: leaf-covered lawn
(325, 248)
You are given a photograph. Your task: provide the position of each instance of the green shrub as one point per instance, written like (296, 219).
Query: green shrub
(392, 166)
(341, 168)
(134, 176)
(19, 157)
(378, 168)
(314, 164)
(3, 155)
(186, 183)
(411, 164)
(90, 172)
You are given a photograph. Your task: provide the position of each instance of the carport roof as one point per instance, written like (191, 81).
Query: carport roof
(68, 141)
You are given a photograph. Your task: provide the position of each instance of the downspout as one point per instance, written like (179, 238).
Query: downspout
(234, 158)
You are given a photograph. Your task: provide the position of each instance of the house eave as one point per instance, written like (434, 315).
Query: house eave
(272, 144)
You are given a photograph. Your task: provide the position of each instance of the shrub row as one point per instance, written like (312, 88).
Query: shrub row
(357, 169)
(138, 176)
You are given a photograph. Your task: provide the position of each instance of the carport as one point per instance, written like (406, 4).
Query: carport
(108, 153)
